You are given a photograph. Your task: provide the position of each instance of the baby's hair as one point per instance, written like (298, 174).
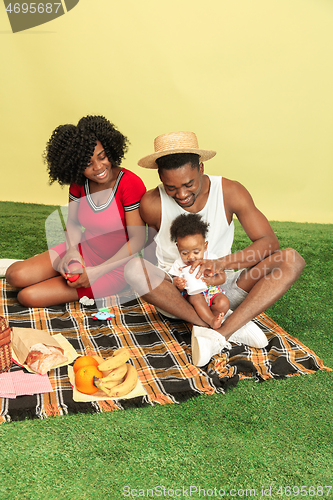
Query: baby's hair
(188, 225)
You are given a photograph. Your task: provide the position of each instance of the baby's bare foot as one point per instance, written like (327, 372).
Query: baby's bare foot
(217, 321)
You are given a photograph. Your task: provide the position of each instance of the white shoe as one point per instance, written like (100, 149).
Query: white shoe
(251, 335)
(4, 265)
(205, 344)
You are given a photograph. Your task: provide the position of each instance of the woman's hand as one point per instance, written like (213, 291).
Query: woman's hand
(88, 276)
(71, 255)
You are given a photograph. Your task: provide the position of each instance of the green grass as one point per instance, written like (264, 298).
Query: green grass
(278, 433)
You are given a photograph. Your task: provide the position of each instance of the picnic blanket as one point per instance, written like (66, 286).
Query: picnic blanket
(160, 350)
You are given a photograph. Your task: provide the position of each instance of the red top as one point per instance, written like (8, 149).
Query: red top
(105, 228)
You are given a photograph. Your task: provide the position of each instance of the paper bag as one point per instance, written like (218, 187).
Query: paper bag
(24, 338)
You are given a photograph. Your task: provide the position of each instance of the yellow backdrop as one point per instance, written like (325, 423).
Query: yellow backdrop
(253, 79)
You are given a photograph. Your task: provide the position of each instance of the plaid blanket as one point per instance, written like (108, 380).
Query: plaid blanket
(160, 350)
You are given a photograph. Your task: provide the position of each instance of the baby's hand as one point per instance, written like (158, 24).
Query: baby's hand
(208, 280)
(180, 283)
(217, 279)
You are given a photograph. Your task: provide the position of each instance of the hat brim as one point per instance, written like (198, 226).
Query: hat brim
(150, 160)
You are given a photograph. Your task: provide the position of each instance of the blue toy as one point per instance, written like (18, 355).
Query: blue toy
(102, 314)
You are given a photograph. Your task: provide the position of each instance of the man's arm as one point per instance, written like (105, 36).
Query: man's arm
(150, 208)
(238, 201)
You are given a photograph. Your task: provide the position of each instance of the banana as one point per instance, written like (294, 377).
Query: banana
(105, 387)
(119, 357)
(99, 359)
(116, 374)
(127, 385)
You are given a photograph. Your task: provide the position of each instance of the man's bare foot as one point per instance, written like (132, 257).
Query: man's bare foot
(217, 321)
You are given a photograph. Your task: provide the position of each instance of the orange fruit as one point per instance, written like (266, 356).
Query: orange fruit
(84, 379)
(84, 361)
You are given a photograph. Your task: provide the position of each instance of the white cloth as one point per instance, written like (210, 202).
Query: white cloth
(220, 233)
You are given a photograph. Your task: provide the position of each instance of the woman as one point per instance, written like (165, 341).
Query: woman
(104, 200)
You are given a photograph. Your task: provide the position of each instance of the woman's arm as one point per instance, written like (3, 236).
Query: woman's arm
(73, 234)
(73, 231)
(136, 231)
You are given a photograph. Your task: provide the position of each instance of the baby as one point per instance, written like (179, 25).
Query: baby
(189, 233)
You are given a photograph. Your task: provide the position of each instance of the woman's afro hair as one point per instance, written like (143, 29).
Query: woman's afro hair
(188, 225)
(70, 148)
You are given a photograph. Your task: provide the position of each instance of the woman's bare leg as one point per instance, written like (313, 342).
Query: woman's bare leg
(30, 271)
(47, 293)
(41, 285)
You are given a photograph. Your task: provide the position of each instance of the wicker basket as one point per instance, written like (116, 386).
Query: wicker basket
(5, 349)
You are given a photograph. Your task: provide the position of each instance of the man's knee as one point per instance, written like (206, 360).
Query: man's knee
(293, 260)
(134, 271)
(143, 276)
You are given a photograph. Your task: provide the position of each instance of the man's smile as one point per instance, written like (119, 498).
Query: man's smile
(185, 201)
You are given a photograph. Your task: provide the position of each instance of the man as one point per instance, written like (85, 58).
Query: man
(263, 271)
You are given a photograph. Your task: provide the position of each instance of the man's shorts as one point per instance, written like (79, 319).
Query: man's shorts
(235, 294)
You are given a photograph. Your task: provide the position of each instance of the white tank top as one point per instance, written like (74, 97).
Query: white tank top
(220, 233)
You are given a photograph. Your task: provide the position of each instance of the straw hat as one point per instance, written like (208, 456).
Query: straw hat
(175, 142)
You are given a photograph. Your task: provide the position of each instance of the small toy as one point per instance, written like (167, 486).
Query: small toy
(103, 314)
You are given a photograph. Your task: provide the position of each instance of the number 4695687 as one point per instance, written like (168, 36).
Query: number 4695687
(33, 8)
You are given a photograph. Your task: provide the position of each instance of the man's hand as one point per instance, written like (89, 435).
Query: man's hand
(207, 268)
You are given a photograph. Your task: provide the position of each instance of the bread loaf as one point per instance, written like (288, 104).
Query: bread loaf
(42, 358)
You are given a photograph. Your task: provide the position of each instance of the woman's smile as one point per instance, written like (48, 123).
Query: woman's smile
(102, 174)
(99, 167)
